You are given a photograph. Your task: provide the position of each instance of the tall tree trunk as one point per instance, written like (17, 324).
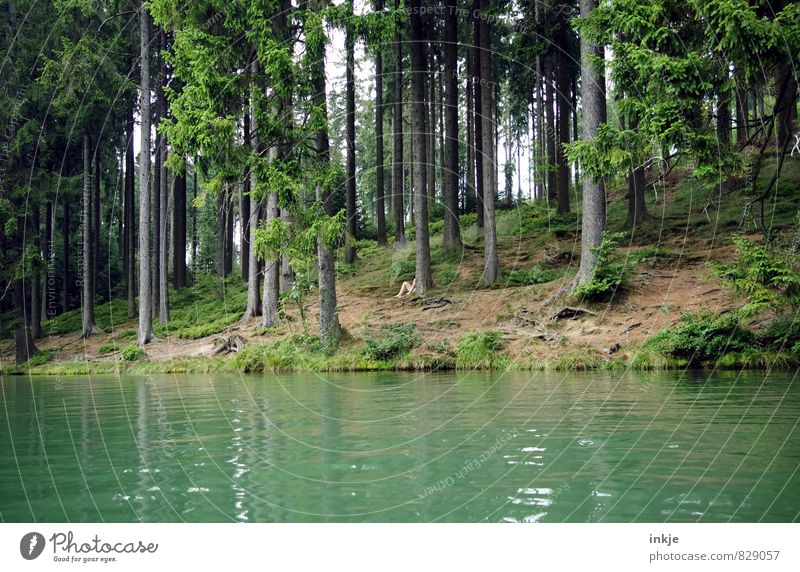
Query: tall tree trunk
(562, 88)
(270, 316)
(65, 274)
(49, 300)
(786, 94)
(593, 218)
(491, 266)
(222, 232)
(145, 333)
(637, 208)
(574, 106)
(379, 159)
(423, 254)
(397, 138)
(96, 220)
(194, 218)
(723, 118)
(179, 229)
(244, 238)
(36, 282)
(87, 303)
(155, 196)
(251, 137)
(130, 215)
(452, 231)
(229, 230)
(481, 162)
(329, 329)
(469, 189)
(430, 131)
(24, 347)
(350, 120)
(742, 130)
(550, 130)
(163, 203)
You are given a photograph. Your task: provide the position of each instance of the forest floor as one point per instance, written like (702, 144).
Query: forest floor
(669, 275)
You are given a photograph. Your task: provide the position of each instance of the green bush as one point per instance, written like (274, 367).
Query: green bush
(535, 275)
(610, 271)
(765, 276)
(480, 350)
(701, 337)
(108, 347)
(393, 340)
(468, 219)
(132, 352)
(446, 277)
(436, 227)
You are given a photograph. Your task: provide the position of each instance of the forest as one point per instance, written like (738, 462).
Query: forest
(245, 184)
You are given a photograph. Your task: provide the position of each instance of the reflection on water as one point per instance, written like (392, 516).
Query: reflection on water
(401, 447)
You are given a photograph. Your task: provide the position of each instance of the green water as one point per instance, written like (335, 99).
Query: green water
(401, 447)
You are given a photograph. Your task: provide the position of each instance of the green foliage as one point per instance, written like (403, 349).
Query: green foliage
(480, 350)
(108, 347)
(610, 272)
(702, 337)
(446, 277)
(39, 358)
(534, 275)
(392, 340)
(132, 352)
(765, 276)
(782, 333)
(467, 220)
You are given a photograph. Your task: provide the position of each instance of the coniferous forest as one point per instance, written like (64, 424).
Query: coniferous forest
(246, 184)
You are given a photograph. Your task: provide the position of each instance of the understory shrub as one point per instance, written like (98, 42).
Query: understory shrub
(393, 340)
(535, 275)
(765, 276)
(132, 352)
(480, 350)
(610, 271)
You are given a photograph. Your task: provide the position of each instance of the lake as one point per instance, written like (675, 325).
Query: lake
(402, 447)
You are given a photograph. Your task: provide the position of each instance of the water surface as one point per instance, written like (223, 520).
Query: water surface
(468, 447)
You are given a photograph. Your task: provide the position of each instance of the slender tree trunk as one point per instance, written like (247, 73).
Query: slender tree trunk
(23, 340)
(145, 333)
(96, 221)
(379, 159)
(49, 300)
(329, 329)
(244, 238)
(786, 94)
(87, 303)
(452, 231)
(155, 199)
(65, 274)
(253, 275)
(130, 215)
(562, 77)
(723, 118)
(270, 316)
(423, 255)
(163, 203)
(481, 162)
(350, 120)
(36, 282)
(222, 232)
(194, 218)
(742, 131)
(229, 230)
(397, 139)
(430, 131)
(469, 198)
(491, 266)
(593, 219)
(550, 130)
(574, 106)
(179, 229)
